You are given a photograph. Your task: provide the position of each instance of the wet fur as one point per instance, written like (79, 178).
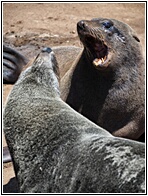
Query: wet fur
(11, 58)
(13, 63)
(56, 150)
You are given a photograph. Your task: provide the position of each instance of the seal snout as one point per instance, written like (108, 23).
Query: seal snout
(45, 54)
(81, 24)
(47, 49)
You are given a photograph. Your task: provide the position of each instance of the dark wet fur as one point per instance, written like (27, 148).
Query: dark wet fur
(13, 63)
(113, 97)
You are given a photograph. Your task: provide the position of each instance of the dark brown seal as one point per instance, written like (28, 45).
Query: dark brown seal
(13, 63)
(107, 83)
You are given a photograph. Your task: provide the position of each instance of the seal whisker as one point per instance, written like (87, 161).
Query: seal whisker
(98, 33)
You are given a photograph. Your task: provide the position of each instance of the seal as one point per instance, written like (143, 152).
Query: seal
(57, 150)
(6, 155)
(106, 84)
(13, 63)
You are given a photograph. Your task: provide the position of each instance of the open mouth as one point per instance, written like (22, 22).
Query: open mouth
(100, 54)
(99, 51)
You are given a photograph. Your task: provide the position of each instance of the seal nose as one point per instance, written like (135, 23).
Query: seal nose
(47, 49)
(45, 52)
(81, 24)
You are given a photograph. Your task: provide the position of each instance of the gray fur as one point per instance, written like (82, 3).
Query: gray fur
(56, 150)
(65, 56)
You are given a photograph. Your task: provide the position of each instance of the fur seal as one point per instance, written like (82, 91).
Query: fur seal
(13, 63)
(106, 85)
(6, 155)
(57, 150)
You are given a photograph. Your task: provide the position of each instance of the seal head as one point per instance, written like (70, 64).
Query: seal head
(102, 39)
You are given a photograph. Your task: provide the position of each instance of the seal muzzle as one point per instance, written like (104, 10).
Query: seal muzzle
(47, 49)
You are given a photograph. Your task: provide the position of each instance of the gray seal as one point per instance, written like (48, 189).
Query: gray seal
(54, 149)
(14, 63)
(106, 84)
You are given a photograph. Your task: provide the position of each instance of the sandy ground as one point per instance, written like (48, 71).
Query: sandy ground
(30, 26)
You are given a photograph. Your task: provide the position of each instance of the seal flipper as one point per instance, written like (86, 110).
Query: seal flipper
(13, 63)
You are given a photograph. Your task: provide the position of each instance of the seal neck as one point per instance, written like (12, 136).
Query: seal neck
(42, 77)
(88, 66)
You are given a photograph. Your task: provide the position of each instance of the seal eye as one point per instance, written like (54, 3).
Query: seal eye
(107, 24)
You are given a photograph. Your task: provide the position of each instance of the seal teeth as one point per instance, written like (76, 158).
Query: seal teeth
(98, 62)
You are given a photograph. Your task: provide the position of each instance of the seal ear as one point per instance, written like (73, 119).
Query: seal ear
(136, 38)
